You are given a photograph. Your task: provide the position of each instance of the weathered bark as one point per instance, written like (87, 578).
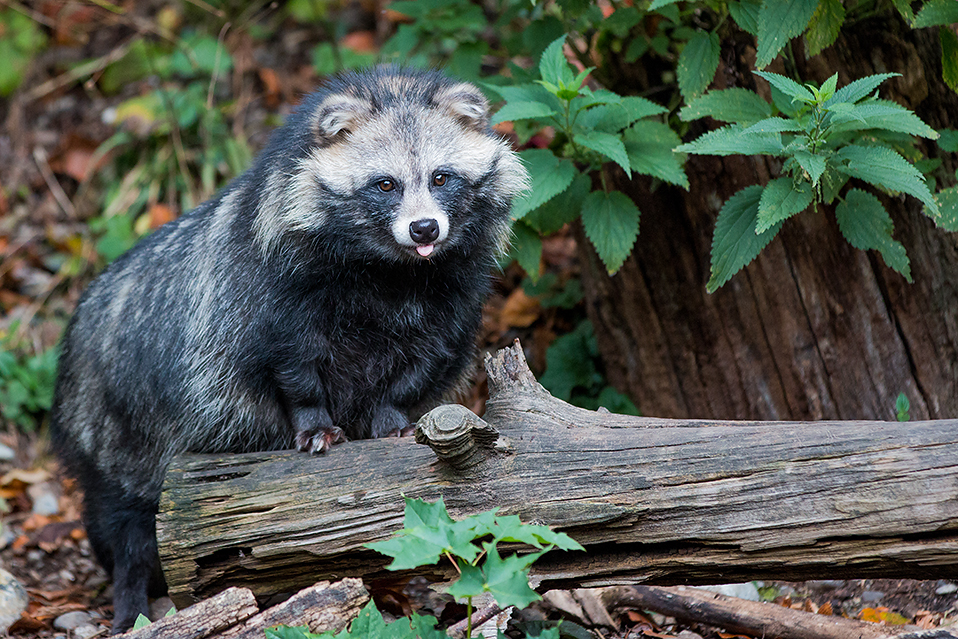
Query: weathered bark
(652, 500)
(203, 619)
(233, 613)
(813, 329)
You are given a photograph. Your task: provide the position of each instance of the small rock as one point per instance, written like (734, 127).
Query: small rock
(72, 620)
(7, 453)
(45, 498)
(946, 589)
(688, 634)
(822, 585)
(86, 631)
(13, 600)
(872, 596)
(746, 591)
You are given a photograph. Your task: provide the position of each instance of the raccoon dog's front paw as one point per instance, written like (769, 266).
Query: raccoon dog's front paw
(389, 421)
(320, 439)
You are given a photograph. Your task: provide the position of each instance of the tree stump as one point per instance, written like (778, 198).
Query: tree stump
(653, 500)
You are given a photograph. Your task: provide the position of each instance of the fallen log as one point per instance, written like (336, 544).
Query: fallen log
(233, 614)
(653, 500)
(751, 617)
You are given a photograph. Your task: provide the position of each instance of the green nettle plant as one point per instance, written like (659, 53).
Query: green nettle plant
(471, 544)
(827, 136)
(592, 130)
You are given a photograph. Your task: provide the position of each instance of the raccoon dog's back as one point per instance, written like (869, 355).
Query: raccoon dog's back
(326, 291)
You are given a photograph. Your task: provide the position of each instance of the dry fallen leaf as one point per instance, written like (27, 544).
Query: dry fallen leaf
(519, 311)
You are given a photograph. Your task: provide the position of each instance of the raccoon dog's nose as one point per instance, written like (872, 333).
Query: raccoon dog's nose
(424, 231)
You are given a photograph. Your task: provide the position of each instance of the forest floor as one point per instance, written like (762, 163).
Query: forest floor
(49, 176)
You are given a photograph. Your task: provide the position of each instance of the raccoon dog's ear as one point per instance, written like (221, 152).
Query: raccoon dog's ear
(337, 114)
(466, 103)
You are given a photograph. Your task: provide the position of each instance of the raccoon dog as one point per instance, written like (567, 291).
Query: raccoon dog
(319, 296)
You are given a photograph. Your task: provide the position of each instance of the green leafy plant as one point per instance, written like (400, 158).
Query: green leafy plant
(573, 373)
(174, 148)
(902, 406)
(826, 136)
(20, 39)
(593, 129)
(471, 544)
(26, 381)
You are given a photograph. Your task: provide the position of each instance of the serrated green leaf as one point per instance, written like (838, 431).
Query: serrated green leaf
(732, 140)
(628, 110)
(526, 249)
(608, 145)
(936, 13)
(789, 87)
(658, 4)
(829, 86)
(649, 145)
(418, 512)
(948, 140)
(471, 582)
(879, 114)
(697, 63)
(550, 177)
(832, 182)
(866, 225)
(860, 88)
(949, 57)
(813, 164)
(735, 243)
(611, 222)
(947, 200)
(560, 210)
(883, 167)
(781, 199)
(142, 621)
(553, 67)
(779, 22)
(774, 125)
(745, 14)
(737, 105)
(824, 26)
(904, 8)
(507, 579)
(525, 93)
(522, 111)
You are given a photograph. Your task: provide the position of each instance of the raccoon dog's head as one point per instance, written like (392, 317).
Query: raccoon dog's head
(397, 164)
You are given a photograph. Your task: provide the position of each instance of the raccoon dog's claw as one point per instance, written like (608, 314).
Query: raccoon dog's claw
(402, 432)
(320, 440)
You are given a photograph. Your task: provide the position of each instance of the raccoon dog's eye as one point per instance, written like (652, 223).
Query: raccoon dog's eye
(439, 179)
(386, 185)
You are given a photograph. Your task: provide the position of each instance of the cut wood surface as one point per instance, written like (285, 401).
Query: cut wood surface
(652, 500)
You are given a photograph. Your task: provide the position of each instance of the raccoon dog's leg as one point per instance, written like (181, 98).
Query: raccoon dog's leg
(136, 570)
(306, 404)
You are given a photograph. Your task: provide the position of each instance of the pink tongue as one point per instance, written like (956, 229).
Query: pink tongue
(425, 249)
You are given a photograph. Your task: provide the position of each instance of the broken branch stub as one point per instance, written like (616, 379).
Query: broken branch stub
(457, 435)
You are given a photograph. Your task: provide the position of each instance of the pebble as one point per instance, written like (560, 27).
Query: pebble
(688, 634)
(824, 584)
(746, 591)
(45, 499)
(72, 620)
(7, 453)
(946, 589)
(13, 600)
(86, 631)
(872, 596)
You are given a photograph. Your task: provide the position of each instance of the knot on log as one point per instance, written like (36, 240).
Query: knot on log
(458, 436)
(508, 372)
